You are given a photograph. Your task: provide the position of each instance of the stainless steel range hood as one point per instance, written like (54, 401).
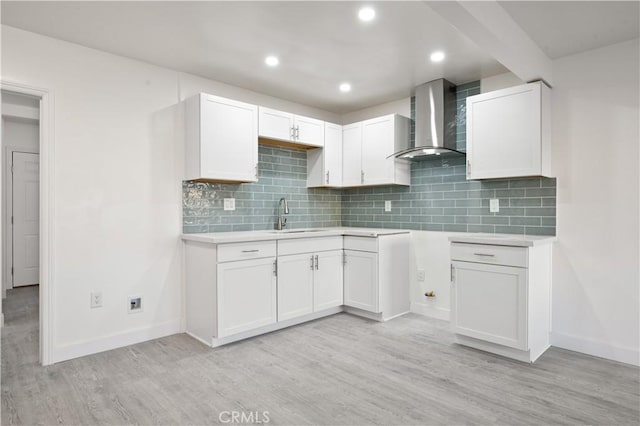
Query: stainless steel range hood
(435, 121)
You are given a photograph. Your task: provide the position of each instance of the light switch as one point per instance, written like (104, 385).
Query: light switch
(387, 206)
(494, 205)
(229, 203)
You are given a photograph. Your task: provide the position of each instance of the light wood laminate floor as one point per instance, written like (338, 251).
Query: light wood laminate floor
(338, 370)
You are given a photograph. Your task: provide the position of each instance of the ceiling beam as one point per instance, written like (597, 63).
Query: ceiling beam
(489, 26)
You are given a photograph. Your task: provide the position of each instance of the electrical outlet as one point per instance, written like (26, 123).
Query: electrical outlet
(96, 299)
(229, 203)
(387, 206)
(421, 275)
(494, 205)
(135, 304)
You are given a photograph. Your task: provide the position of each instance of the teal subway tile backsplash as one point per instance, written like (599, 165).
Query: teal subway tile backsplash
(281, 173)
(439, 198)
(460, 207)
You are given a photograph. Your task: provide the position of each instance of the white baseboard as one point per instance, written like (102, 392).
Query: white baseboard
(106, 343)
(596, 348)
(430, 311)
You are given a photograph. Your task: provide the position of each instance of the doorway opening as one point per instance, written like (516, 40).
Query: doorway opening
(20, 217)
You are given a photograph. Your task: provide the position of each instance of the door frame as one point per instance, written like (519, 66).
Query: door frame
(7, 228)
(47, 211)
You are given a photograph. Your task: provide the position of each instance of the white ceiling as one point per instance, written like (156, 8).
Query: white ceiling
(320, 44)
(562, 28)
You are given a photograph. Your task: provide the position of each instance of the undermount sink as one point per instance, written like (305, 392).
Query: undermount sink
(296, 231)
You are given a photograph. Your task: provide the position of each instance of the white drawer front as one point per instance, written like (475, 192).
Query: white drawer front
(496, 255)
(361, 244)
(309, 245)
(250, 250)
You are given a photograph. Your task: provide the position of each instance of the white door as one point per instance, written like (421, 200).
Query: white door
(246, 295)
(328, 280)
(229, 140)
(504, 133)
(333, 154)
(489, 302)
(309, 131)
(295, 285)
(361, 280)
(274, 124)
(377, 145)
(26, 213)
(352, 155)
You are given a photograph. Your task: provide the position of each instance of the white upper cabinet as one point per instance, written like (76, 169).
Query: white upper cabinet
(324, 166)
(509, 133)
(352, 154)
(290, 128)
(366, 146)
(276, 124)
(221, 139)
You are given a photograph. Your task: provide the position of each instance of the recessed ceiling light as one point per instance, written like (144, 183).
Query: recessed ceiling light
(366, 14)
(345, 87)
(272, 61)
(437, 56)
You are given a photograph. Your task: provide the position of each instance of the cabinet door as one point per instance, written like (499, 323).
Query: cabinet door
(295, 285)
(309, 131)
(328, 279)
(504, 133)
(274, 124)
(489, 302)
(246, 295)
(333, 154)
(361, 280)
(352, 155)
(228, 140)
(377, 145)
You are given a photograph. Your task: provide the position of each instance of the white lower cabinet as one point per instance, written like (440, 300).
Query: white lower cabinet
(501, 298)
(295, 285)
(361, 280)
(246, 295)
(310, 281)
(376, 275)
(328, 280)
(490, 303)
(239, 290)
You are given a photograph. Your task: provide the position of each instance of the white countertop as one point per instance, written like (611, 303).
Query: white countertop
(502, 239)
(237, 237)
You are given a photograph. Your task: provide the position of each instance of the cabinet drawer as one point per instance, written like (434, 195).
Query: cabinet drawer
(361, 244)
(249, 250)
(497, 255)
(309, 245)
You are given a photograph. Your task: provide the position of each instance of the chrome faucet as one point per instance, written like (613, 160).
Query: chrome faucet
(282, 222)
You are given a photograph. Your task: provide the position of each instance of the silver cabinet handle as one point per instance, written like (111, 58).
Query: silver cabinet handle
(484, 254)
(316, 261)
(292, 133)
(468, 167)
(362, 176)
(327, 176)
(344, 258)
(312, 262)
(452, 274)
(275, 267)
(250, 251)
(256, 171)
(297, 132)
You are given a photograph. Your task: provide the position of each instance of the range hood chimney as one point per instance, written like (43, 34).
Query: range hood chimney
(435, 121)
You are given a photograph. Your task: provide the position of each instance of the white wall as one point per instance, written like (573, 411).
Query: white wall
(118, 171)
(401, 106)
(500, 81)
(596, 260)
